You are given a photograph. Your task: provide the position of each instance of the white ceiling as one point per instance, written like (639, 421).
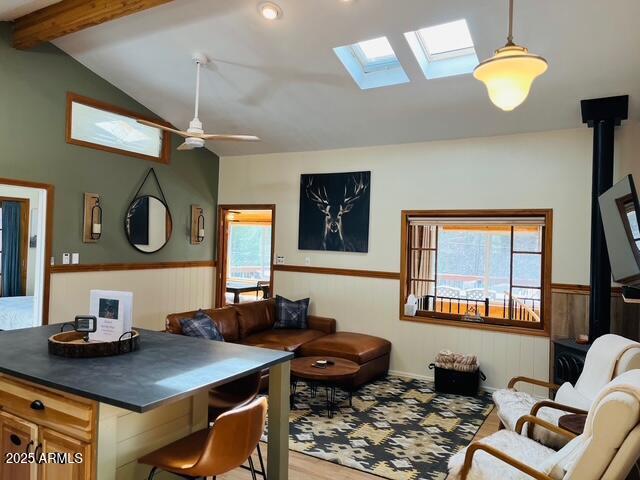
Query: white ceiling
(281, 80)
(12, 9)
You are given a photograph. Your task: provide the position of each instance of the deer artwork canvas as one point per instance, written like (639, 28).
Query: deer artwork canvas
(334, 212)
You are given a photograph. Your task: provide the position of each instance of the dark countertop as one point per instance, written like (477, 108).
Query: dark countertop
(166, 368)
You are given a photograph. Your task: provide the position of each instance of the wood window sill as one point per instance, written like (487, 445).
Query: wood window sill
(476, 326)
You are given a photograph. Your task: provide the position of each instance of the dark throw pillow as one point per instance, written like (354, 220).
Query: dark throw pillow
(291, 314)
(201, 325)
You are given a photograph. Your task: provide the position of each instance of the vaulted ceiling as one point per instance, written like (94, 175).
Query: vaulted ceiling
(281, 80)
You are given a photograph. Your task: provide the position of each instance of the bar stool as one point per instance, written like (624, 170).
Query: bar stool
(212, 452)
(232, 395)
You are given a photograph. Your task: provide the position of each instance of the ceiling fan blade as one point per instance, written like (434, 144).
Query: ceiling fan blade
(185, 146)
(164, 127)
(231, 138)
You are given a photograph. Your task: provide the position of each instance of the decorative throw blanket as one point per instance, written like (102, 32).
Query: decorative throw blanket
(601, 362)
(457, 361)
(539, 457)
(563, 460)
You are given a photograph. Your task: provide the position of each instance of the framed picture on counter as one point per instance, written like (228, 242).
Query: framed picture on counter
(114, 313)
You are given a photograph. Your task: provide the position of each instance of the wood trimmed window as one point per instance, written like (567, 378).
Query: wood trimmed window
(102, 126)
(478, 268)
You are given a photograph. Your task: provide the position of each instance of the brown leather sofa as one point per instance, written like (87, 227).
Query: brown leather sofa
(252, 324)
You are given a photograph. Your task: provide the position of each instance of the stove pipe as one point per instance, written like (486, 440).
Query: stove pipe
(603, 115)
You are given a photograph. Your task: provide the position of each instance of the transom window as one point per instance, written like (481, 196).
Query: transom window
(478, 267)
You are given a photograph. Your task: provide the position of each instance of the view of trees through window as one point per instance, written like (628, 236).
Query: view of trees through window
(472, 260)
(477, 271)
(250, 252)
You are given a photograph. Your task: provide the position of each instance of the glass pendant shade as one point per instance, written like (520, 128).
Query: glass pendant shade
(508, 75)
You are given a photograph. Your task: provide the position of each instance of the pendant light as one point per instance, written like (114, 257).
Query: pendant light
(508, 75)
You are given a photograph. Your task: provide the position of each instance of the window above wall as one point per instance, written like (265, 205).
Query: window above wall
(478, 268)
(101, 126)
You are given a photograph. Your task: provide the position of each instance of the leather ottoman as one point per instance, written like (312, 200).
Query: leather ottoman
(371, 353)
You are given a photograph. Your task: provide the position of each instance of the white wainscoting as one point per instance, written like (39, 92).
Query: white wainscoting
(370, 305)
(156, 292)
(359, 304)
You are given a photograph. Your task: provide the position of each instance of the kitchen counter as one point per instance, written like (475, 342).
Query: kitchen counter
(166, 368)
(113, 410)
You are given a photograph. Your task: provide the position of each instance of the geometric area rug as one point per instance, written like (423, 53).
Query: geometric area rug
(398, 428)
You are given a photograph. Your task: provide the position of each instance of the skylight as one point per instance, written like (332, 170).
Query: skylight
(444, 50)
(376, 49)
(446, 38)
(372, 63)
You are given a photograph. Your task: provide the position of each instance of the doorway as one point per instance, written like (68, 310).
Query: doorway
(246, 238)
(26, 210)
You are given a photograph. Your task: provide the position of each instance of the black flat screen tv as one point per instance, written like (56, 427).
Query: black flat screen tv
(620, 215)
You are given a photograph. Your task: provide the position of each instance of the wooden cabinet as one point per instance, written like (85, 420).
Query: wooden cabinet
(77, 457)
(18, 437)
(58, 430)
(63, 413)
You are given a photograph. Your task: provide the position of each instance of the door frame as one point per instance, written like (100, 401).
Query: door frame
(48, 237)
(221, 254)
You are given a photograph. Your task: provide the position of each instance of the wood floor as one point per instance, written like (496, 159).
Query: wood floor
(304, 467)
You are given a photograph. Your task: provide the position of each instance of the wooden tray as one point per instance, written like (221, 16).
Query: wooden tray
(72, 344)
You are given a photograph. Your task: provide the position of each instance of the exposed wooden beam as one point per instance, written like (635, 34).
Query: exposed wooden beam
(69, 16)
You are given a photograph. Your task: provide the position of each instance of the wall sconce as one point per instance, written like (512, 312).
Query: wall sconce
(96, 220)
(197, 225)
(92, 225)
(200, 227)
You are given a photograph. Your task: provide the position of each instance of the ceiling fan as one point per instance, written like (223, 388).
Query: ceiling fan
(195, 136)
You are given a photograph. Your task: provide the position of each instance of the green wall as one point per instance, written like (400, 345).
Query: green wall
(33, 88)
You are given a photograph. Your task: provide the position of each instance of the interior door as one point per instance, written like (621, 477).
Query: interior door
(17, 438)
(77, 457)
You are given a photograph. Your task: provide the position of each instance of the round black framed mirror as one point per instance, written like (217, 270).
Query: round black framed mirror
(148, 224)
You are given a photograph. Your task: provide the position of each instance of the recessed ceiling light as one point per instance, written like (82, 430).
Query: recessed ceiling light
(270, 10)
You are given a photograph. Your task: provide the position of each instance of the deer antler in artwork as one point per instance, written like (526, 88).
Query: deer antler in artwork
(351, 196)
(318, 196)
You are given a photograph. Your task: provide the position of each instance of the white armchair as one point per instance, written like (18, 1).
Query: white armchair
(608, 357)
(607, 450)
